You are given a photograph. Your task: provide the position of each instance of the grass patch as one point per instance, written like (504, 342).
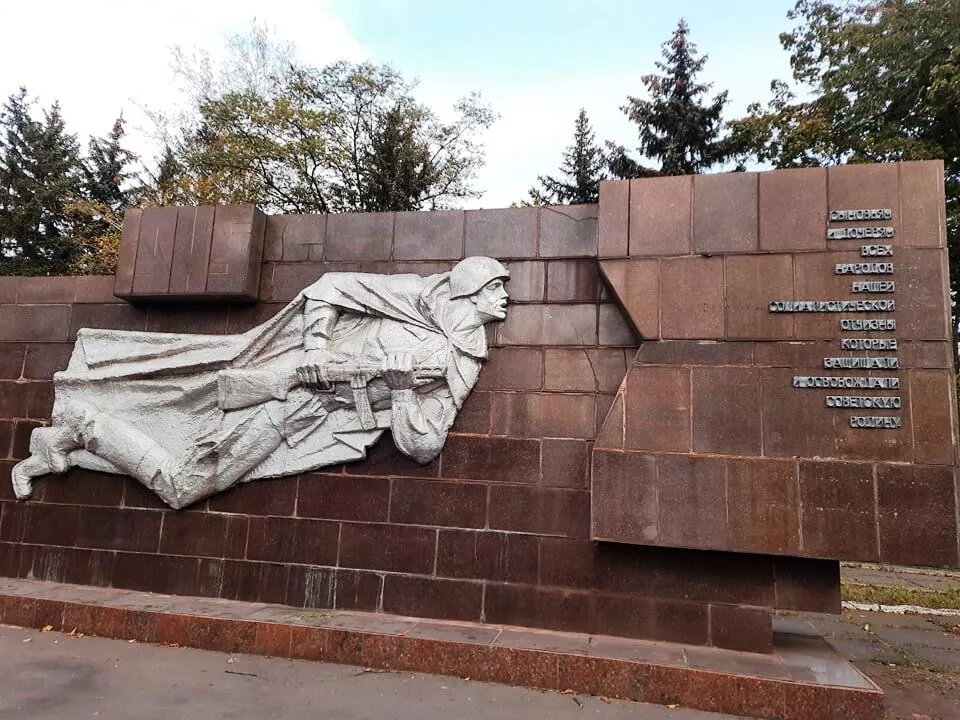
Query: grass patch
(948, 599)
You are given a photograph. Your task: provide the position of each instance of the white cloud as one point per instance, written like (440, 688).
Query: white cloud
(101, 57)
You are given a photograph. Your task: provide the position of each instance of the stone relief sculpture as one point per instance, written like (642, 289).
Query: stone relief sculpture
(352, 355)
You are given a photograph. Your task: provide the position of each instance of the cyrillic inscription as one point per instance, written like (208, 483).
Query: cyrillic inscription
(876, 251)
(848, 382)
(881, 268)
(889, 422)
(869, 251)
(872, 286)
(868, 344)
(860, 233)
(830, 306)
(861, 214)
(853, 401)
(861, 363)
(868, 325)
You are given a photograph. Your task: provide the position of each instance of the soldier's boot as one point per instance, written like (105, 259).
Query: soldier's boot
(50, 449)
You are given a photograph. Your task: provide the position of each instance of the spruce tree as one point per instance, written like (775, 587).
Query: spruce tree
(398, 170)
(105, 195)
(39, 176)
(105, 171)
(678, 125)
(166, 185)
(582, 170)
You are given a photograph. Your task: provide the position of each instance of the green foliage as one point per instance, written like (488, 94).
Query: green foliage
(59, 213)
(106, 192)
(946, 598)
(583, 167)
(880, 82)
(346, 137)
(39, 175)
(678, 125)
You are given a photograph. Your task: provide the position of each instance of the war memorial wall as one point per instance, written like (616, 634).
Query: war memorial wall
(707, 391)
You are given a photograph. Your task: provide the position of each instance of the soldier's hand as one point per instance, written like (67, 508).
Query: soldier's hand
(312, 376)
(398, 371)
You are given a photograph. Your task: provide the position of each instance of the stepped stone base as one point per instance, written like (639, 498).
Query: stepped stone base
(802, 679)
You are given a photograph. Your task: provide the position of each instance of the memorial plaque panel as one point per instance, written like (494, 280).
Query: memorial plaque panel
(850, 345)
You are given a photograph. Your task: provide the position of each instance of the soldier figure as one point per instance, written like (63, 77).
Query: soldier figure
(352, 355)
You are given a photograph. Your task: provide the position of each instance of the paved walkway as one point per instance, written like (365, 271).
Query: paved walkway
(915, 659)
(54, 676)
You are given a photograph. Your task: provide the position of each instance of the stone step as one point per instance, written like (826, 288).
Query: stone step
(802, 679)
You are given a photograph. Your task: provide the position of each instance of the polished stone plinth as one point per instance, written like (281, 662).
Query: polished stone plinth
(803, 678)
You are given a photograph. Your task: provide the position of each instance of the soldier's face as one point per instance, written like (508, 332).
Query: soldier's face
(491, 301)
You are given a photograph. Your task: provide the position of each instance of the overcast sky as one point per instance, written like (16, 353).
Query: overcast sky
(536, 63)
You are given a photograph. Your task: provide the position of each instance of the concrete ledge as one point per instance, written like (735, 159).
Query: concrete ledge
(803, 679)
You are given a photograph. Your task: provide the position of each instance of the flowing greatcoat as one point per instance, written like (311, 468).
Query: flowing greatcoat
(166, 384)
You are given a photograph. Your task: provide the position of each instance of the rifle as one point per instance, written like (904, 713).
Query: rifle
(241, 387)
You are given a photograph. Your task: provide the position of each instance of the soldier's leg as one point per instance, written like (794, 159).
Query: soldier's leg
(213, 464)
(84, 426)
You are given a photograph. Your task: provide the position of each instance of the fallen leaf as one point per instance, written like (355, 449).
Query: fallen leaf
(131, 641)
(605, 699)
(673, 707)
(46, 628)
(27, 639)
(567, 692)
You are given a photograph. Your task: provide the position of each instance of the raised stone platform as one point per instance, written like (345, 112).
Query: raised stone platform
(802, 679)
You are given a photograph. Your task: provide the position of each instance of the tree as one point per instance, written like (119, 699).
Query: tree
(165, 186)
(106, 191)
(582, 170)
(676, 126)
(106, 173)
(268, 129)
(39, 176)
(341, 138)
(883, 82)
(399, 167)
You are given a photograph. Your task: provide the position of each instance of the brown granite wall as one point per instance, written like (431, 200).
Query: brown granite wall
(709, 444)
(497, 529)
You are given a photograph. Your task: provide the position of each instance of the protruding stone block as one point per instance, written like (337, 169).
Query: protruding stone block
(191, 253)
(636, 284)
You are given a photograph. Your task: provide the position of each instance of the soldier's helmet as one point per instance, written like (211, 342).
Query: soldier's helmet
(471, 274)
